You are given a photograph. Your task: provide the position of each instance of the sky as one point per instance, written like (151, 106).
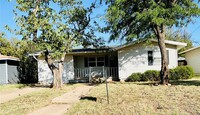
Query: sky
(7, 18)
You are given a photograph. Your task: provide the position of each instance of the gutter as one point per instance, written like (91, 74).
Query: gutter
(34, 56)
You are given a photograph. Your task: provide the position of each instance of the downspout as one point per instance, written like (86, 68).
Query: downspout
(6, 71)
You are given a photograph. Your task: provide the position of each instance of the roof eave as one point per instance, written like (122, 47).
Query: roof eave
(10, 59)
(189, 50)
(178, 44)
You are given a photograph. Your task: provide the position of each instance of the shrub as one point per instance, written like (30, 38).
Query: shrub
(134, 77)
(174, 74)
(151, 75)
(181, 72)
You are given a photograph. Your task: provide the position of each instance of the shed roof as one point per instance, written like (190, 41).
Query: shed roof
(4, 57)
(191, 49)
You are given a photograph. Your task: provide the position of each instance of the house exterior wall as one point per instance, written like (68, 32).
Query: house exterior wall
(134, 59)
(3, 79)
(13, 74)
(44, 73)
(68, 72)
(193, 60)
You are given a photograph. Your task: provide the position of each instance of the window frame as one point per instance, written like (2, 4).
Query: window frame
(96, 61)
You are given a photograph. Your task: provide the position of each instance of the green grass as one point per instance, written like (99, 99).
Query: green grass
(196, 77)
(6, 87)
(131, 98)
(32, 101)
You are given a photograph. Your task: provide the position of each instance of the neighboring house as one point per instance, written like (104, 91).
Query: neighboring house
(117, 62)
(9, 69)
(192, 57)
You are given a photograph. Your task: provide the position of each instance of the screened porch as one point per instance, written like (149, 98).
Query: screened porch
(103, 65)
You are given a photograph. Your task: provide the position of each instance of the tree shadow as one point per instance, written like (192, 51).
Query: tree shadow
(90, 98)
(186, 82)
(173, 82)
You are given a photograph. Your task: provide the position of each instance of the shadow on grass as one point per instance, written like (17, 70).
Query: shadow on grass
(90, 98)
(186, 82)
(173, 82)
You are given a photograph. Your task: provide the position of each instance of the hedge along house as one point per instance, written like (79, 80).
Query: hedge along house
(9, 69)
(192, 57)
(117, 62)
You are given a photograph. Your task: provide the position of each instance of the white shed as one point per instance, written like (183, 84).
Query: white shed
(192, 57)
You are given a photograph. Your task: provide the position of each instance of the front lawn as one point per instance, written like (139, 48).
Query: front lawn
(131, 98)
(6, 87)
(32, 101)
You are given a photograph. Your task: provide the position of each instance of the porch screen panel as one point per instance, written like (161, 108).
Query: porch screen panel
(92, 62)
(100, 61)
(106, 61)
(86, 61)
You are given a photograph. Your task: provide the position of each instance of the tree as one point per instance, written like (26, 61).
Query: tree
(20, 49)
(130, 19)
(180, 36)
(6, 47)
(55, 26)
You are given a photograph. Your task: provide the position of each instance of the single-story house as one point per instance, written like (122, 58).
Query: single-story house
(9, 69)
(116, 62)
(192, 57)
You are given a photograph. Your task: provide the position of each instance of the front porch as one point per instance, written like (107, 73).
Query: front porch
(87, 65)
(85, 74)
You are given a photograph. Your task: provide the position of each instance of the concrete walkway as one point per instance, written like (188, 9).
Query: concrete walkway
(61, 104)
(12, 94)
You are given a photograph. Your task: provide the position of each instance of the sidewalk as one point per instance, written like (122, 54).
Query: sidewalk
(61, 104)
(9, 95)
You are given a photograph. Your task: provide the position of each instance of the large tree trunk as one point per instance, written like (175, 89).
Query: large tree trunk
(57, 76)
(164, 73)
(57, 70)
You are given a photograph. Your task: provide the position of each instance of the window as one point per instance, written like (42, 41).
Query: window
(95, 61)
(92, 62)
(150, 57)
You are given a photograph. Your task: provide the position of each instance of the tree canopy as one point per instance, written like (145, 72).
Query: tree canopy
(139, 19)
(56, 26)
(180, 36)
